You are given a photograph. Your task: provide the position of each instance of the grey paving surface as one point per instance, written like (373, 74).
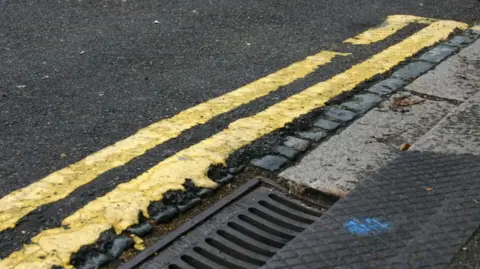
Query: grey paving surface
(438, 54)
(270, 162)
(314, 135)
(456, 78)
(326, 124)
(387, 86)
(412, 70)
(338, 114)
(415, 212)
(362, 102)
(286, 151)
(296, 143)
(469, 255)
(459, 41)
(337, 164)
(459, 132)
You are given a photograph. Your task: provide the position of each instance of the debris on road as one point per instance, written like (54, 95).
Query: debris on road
(405, 101)
(405, 147)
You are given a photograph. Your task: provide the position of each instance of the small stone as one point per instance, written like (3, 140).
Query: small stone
(119, 245)
(236, 170)
(141, 229)
(167, 214)
(475, 32)
(380, 89)
(225, 179)
(459, 41)
(464, 249)
(412, 70)
(270, 162)
(286, 151)
(387, 86)
(95, 260)
(326, 124)
(314, 136)
(189, 205)
(362, 102)
(338, 114)
(204, 192)
(438, 54)
(296, 143)
(156, 22)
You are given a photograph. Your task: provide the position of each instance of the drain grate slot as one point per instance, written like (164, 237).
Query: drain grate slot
(252, 233)
(245, 245)
(265, 228)
(293, 205)
(232, 252)
(243, 235)
(275, 219)
(193, 262)
(216, 259)
(280, 211)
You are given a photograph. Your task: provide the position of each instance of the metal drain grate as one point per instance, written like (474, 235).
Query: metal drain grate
(243, 235)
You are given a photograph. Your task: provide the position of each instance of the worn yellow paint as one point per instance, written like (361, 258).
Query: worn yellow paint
(61, 183)
(392, 25)
(476, 27)
(119, 208)
(138, 242)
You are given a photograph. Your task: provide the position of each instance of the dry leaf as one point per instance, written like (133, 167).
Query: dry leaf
(405, 147)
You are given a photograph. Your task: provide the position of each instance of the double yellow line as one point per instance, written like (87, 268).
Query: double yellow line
(119, 208)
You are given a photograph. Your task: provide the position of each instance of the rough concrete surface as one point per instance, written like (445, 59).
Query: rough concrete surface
(469, 255)
(458, 133)
(370, 142)
(456, 78)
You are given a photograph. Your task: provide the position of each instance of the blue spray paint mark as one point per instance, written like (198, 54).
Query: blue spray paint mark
(367, 227)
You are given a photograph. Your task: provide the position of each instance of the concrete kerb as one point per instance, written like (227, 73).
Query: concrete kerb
(336, 116)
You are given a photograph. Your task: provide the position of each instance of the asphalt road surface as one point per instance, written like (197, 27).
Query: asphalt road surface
(78, 76)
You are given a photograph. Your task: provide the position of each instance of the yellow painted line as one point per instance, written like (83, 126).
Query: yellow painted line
(61, 183)
(476, 27)
(119, 208)
(392, 25)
